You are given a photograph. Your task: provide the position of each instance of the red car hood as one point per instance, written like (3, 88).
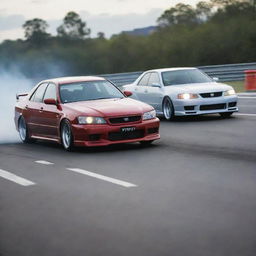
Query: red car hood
(109, 107)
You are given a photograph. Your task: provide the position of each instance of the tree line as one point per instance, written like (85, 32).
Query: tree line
(212, 32)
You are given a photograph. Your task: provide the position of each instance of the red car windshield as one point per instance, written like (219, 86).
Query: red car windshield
(92, 90)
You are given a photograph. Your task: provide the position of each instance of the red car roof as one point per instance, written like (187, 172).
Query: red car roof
(74, 79)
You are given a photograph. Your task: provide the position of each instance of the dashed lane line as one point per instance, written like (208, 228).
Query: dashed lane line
(246, 106)
(244, 114)
(43, 162)
(246, 97)
(14, 178)
(102, 177)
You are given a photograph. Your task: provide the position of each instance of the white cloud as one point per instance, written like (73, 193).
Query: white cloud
(11, 34)
(11, 22)
(56, 9)
(113, 24)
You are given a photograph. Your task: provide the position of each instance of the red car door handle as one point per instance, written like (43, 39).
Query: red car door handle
(26, 107)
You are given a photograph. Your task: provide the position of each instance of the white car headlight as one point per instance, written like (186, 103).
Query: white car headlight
(229, 92)
(149, 115)
(187, 96)
(91, 120)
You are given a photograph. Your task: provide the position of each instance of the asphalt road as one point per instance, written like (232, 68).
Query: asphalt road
(191, 193)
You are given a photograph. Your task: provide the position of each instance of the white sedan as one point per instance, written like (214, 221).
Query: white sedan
(182, 92)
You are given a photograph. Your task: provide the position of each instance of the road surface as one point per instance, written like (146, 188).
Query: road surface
(191, 193)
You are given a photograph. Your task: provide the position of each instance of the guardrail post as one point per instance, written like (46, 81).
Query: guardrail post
(250, 80)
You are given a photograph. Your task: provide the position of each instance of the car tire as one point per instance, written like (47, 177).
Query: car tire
(146, 143)
(168, 109)
(226, 114)
(67, 138)
(23, 131)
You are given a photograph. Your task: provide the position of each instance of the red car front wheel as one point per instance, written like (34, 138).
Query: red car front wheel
(67, 136)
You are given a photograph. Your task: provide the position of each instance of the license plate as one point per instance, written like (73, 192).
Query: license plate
(128, 129)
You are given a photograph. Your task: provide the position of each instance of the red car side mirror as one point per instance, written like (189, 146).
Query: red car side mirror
(127, 93)
(50, 102)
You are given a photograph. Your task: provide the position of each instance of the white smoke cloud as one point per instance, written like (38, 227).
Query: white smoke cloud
(11, 82)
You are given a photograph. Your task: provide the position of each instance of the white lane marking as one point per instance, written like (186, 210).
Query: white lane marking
(246, 97)
(17, 179)
(244, 114)
(102, 177)
(43, 162)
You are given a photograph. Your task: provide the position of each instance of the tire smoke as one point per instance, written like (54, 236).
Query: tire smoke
(11, 83)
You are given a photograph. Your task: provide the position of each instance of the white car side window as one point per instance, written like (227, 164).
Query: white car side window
(154, 79)
(144, 80)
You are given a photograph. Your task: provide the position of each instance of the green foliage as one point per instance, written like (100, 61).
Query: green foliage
(239, 86)
(215, 32)
(180, 14)
(204, 11)
(101, 35)
(35, 31)
(185, 14)
(73, 27)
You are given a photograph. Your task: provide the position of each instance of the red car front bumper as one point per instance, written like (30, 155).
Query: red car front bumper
(103, 135)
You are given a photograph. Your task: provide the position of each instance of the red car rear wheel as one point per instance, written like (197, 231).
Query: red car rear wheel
(23, 130)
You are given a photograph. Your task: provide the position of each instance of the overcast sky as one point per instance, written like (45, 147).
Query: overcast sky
(108, 16)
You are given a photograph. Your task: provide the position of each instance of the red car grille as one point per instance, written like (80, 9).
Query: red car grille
(124, 119)
(113, 136)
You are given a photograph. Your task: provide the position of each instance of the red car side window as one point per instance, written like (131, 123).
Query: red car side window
(50, 92)
(39, 93)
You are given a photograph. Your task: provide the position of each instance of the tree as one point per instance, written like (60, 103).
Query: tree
(101, 35)
(180, 14)
(35, 31)
(73, 27)
(224, 3)
(233, 8)
(204, 11)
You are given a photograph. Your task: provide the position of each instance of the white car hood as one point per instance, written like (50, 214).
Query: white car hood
(198, 88)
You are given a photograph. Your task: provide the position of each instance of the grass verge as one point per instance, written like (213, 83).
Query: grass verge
(237, 85)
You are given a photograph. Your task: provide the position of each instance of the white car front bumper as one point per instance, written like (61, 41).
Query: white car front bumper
(203, 106)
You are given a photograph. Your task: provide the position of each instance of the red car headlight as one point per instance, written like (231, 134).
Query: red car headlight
(149, 115)
(91, 120)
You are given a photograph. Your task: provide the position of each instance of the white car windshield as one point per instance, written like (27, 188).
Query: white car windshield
(187, 76)
(92, 90)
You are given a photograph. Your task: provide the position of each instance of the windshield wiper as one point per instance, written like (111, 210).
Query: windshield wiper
(102, 98)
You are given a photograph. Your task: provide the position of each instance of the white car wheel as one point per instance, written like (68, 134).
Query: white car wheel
(168, 109)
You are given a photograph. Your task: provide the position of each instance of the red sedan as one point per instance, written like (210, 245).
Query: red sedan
(84, 111)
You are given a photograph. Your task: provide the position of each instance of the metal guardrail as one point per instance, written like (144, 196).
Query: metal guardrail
(228, 72)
